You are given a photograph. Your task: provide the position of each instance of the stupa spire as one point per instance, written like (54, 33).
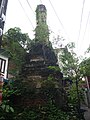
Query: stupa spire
(41, 31)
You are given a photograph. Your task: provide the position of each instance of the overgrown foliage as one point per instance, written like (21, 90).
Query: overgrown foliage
(16, 43)
(47, 112)
(42, 34)
(85, 67)
(69, 61)
(7, 108)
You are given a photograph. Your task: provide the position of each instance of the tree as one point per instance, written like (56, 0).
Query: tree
(58, 41)
(85, 67)
(69, 61)
(15, 35)
(17, 44)
(85, 64)
(71, 70)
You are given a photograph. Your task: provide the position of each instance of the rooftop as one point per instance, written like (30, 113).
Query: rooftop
(41, 7)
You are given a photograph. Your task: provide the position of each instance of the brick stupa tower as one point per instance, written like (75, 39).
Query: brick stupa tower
(37, 62)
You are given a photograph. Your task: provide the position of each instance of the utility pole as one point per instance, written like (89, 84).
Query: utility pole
(3, 8)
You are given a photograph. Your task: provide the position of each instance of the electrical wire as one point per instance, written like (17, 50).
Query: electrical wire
(81, 19)
(86, 25)
(30, 7)
(26, 14)
(56, 14)
(58, 18)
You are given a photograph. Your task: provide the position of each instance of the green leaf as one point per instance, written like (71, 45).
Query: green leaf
(3, 106)
(12, 110)
(7, 108)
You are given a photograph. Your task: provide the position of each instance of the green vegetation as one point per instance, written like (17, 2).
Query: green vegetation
(42, 34)
(47, 112)
(54, 68)
(17, 44)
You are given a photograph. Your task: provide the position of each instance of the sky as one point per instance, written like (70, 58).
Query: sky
(64, 18)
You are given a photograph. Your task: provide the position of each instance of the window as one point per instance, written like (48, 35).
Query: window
(2, 65)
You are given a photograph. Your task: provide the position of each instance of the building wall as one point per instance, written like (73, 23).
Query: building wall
(4, 65)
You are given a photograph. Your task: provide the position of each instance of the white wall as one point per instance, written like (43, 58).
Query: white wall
(4, 65)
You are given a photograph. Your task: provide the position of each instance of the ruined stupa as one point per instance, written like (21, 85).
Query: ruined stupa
(39, 65)
(41, 54)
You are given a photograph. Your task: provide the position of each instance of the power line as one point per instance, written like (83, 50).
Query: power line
(58, 18)
(26, 14)
(56, 14)
(81, 19)
(30, 6)
(86, 24)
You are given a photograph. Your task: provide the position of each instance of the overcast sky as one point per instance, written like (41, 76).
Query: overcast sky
(66, 23)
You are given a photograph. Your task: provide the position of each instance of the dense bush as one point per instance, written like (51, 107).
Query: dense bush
(47, 112)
